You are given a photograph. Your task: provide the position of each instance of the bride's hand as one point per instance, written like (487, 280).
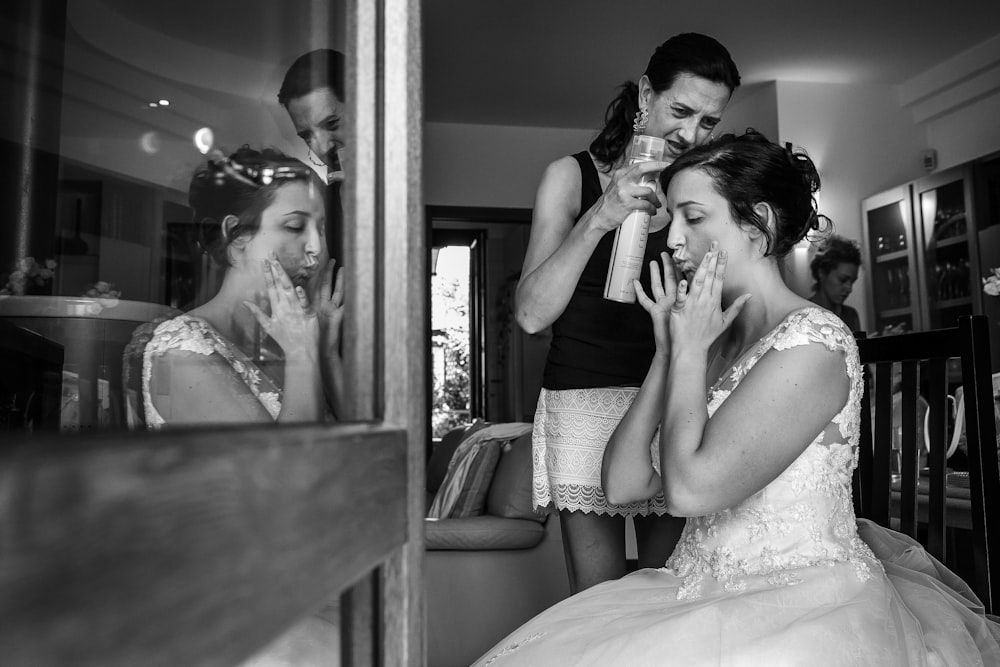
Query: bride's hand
(696, 317)
(293, 324)
(664, 295)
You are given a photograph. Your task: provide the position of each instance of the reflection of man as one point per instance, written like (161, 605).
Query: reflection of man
(313, 95)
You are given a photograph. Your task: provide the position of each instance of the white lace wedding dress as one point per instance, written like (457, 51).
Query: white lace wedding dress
(185, 333)
(786, 577)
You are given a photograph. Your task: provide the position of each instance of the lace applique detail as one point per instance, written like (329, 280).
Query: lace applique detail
(191, 334)
(805, 517)
(510, 648)
(271, 400)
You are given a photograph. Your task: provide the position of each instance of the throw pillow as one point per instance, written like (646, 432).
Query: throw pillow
(437, 466)
(463, 492)
(472, 498)
(510, 492)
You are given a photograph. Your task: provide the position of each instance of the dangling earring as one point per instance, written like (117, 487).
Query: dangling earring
(641, 119)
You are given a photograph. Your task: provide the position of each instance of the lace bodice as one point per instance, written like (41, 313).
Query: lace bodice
(805, 516)
(191, 334)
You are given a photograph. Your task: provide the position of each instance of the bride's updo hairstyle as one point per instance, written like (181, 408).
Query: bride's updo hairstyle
(242, 185)
(748, 169)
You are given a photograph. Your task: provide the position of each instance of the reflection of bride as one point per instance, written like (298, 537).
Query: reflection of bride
(772, 567)
(263, 217)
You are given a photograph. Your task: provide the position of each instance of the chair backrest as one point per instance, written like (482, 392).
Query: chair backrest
(922, 359)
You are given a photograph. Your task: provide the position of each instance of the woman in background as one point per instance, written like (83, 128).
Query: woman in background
(601, 349)
(772, 568)
(263, 216)
(835, 270)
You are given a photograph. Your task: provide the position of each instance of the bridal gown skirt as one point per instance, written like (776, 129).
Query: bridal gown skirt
(910, 611)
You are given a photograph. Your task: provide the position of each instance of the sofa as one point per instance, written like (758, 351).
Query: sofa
(487, 574)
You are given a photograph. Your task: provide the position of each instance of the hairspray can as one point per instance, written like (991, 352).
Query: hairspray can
(629, 249)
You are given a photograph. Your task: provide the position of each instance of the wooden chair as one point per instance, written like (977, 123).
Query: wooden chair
(923, 360)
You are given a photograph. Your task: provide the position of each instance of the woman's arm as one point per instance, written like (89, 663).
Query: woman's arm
(775, 412)
(627, 473)
(558, 250)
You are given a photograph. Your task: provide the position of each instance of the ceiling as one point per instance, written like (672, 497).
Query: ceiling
(557, 62)
(551, 63)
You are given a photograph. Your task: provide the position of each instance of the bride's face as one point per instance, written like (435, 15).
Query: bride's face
(698, 216)
(293, 228)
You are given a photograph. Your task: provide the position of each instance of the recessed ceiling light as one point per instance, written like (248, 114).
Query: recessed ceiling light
(153, 104)
(164, 103)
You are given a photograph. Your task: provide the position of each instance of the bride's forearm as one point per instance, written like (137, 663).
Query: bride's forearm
(333, 385)
(302, 396)
(627, 473)
(685, 415)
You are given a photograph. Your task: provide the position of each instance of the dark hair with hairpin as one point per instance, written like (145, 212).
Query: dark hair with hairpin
(686, 53)
(747, 170)
(241, 185)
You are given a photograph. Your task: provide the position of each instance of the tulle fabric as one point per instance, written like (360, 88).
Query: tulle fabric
(786, 577)
(913, 611)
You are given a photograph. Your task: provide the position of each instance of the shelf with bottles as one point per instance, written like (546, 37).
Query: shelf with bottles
(949, 277)
(954, 303)
(896, 312)
(891, 286)
(952, 241)
(949, 223)
(894, 256)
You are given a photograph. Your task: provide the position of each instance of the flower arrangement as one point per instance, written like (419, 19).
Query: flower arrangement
(28, 276)
(102, 290)
(991, 283)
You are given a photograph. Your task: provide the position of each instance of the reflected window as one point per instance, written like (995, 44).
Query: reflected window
(110, 109)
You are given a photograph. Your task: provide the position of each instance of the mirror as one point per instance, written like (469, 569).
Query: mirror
(111, 107)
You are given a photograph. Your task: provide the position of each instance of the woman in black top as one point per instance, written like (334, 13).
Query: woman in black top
(601, 349)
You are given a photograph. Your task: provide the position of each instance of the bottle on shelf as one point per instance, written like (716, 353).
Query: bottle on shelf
(892, 288)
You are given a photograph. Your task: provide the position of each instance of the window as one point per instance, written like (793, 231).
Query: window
(103, 102)
(113, 108)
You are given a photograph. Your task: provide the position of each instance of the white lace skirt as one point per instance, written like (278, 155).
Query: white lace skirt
(571, 430)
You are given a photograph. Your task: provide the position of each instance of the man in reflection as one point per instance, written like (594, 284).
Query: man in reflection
(312, 93)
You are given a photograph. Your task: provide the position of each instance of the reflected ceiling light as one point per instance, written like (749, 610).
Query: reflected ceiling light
(164, 103)
(153, 104)
(204, 139)
(150, 143)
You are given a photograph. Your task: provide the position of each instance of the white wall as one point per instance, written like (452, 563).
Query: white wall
(492, 165)
(754, 106)
(967, 133)
(862, 142)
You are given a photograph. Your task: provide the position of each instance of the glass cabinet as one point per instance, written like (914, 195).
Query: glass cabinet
(890, 243)
(922, 252)
(949, 263)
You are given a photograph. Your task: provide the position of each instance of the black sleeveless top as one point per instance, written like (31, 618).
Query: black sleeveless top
(597, 342)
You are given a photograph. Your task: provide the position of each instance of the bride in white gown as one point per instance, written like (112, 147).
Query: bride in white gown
(772, 567)
(263, 220)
